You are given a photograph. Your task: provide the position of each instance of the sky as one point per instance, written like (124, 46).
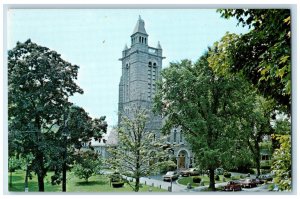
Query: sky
(94, 39)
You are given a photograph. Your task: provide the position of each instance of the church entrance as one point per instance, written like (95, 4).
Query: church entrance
(182, 160)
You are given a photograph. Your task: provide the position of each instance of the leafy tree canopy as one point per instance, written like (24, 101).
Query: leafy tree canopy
(139, 152)
(263, 55)
(39, 84)
(207, 107)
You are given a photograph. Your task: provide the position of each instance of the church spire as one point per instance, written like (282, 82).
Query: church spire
(140, 27)
(158, 45)
(125, 47)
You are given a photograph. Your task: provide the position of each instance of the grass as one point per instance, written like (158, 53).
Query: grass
(96, 183)
(205, 179)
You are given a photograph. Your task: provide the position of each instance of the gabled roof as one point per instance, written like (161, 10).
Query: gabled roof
(140, 27)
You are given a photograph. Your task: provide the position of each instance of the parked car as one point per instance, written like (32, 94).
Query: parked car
(266, 177)
(185, 173)
(194, 172)
(170, 175)
(233, 186)
(190, 172)
(258, 180)
(248, 183)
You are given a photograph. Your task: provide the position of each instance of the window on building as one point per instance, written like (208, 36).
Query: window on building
(145, 40)
(180, 137)
(140, 39)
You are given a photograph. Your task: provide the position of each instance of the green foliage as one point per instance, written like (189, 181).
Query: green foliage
(227, 174)
(282, 163)
(116, 177)
(139, 152)
(39, 84)
(97, 183)
(217, 177)
(41, 119)
(89, 165)
(168, 166)
(263, 55)
(14, 163)
(196, 179)
(207, 106)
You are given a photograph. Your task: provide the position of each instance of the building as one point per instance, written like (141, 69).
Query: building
(141, 67)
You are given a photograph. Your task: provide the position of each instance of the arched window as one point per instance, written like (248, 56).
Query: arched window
(145, 40)
(140, 39)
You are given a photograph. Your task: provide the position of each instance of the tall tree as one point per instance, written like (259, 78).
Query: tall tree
(139, 152)
(263, 54)
(282, 163)
(207, 107)
(255, 118)
(76, 126)
(39, 84)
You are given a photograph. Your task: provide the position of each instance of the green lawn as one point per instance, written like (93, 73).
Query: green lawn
(205, 179)
(97, 183)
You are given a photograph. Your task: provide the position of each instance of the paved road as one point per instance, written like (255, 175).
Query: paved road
(157, 181)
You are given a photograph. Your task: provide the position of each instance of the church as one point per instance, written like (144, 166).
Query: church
(141, 67)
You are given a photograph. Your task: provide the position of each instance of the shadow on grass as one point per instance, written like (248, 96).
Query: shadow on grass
(90, 183)
(16, 178)
(18, 187)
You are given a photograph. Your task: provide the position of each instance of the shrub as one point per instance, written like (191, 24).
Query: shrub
(267, 167)
(117, 184)
(116, 177)
(217, 177)
(227, 174)
(196, 179)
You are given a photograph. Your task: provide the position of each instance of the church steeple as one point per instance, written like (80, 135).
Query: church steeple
(139, 35)
(158, 45)
(140, 27)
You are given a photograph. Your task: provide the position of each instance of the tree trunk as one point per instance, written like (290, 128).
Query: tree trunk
(64, 177)
(10, 182)
(257, 156)
(39, 155)
(41, 182)
(137, 184)
(64, 170)
(212, 180)
(26, 178)
(41, 171)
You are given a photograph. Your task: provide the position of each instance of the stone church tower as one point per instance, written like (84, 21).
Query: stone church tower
(141, 67)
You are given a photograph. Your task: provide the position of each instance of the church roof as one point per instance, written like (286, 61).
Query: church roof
(140, 26)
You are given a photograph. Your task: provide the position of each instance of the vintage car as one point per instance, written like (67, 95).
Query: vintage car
(190, 172)
(233, 186)
(265, 178)
(258, 181)
(249, 183)
(170, 176)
